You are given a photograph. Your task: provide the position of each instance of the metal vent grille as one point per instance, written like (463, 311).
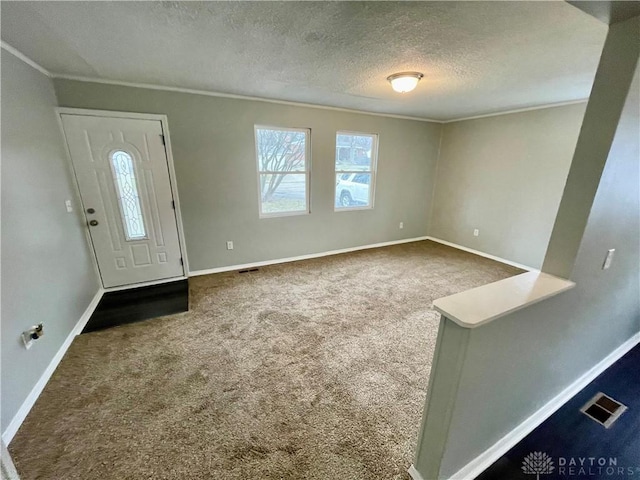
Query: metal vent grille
(249, 270)
(603, 409)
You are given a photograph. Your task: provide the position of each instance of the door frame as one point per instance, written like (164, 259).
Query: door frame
(164, 122)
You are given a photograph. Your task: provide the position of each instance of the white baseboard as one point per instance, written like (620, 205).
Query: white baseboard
(414, 473)
(489, 456)
(231, 268)
(26, 406)
(482, 254)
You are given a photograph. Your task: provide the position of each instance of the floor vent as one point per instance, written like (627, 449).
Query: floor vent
(249, 270)
(603, 409)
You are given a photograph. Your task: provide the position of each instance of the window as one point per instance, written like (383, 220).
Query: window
(356, 159)
(124, 176)
(283, 170)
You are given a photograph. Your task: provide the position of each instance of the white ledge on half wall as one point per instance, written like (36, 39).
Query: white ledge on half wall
(484, 304)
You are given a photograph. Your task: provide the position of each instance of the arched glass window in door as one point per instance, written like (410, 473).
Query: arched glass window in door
(126, 186)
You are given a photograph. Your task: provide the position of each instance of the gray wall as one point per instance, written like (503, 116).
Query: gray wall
(213, 149)
(504, 175)
(615, 74)
(573, 331)
(47, 274)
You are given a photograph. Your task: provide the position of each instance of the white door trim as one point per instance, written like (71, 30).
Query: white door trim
(164, 122)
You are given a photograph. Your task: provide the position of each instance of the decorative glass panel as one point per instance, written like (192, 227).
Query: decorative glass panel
(127, 188)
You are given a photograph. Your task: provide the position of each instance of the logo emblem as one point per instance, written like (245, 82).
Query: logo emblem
(537, 463)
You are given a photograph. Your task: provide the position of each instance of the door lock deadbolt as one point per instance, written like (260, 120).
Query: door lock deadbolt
(91, 210)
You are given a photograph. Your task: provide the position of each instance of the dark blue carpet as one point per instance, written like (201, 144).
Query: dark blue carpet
(578, 447)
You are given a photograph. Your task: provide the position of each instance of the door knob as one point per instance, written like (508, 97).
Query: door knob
(93, 223)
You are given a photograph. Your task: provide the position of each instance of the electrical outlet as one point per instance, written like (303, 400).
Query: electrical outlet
(31, 335)
(229, 245)
(476, 232)
(608, 259)
(401, 225)
(68, 205)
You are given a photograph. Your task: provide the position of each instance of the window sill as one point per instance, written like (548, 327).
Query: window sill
(352, 209)
(282, 214)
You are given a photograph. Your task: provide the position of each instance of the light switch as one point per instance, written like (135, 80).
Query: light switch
(67, 203)
(608, 259)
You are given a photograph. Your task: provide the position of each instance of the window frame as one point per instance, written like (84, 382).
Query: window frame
(306, 172)
(373, 172)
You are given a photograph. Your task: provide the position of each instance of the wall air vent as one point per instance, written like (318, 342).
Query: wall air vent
(603, 409)
(249, 270)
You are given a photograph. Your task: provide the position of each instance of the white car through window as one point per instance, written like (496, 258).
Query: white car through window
(353, 189)
(356, 161)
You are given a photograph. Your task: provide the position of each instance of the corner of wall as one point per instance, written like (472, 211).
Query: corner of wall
(430, 231)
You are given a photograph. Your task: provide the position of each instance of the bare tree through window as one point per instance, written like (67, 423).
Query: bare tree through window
(283, 167)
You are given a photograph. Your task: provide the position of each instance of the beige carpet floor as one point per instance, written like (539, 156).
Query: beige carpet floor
(310, 370)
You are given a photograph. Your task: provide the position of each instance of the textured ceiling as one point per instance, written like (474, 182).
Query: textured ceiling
(477, 57)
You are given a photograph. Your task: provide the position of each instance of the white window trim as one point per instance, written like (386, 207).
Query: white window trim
(306, 172)
(373, 172)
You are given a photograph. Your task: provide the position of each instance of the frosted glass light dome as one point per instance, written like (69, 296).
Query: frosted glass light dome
(404, 82)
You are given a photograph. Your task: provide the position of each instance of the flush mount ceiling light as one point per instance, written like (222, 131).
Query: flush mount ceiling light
(404, 82)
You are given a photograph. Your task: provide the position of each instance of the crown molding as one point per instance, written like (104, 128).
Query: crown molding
(238, 97)
(17, 53)
(517, 110)
(149, 86)
(310, 105)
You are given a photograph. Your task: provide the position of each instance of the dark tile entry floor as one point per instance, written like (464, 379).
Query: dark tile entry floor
(137, 304)
(579, 447)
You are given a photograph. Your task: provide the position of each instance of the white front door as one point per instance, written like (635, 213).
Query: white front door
(122, 172)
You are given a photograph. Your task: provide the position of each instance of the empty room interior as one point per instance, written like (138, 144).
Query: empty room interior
(320, 240)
